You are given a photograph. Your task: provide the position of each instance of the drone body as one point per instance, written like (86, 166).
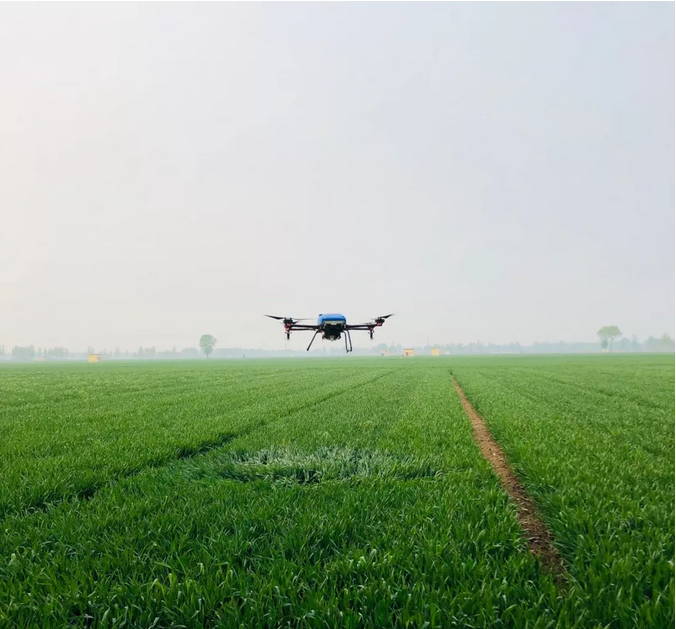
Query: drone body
(331, 326)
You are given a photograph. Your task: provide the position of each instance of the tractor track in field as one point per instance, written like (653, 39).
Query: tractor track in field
(538, 535)
(86, 494)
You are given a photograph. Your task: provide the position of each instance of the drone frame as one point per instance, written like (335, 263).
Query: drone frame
(291, 325)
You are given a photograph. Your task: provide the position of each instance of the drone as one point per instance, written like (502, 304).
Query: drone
(331, 326)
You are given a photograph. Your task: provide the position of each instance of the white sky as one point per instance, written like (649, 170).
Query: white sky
(495, 172)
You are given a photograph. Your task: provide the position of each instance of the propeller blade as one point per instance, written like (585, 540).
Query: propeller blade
(290, 320)
(385, 316)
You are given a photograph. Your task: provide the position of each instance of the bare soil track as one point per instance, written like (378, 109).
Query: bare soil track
(538, 535)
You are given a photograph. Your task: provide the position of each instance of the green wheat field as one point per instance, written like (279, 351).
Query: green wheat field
(334, 493)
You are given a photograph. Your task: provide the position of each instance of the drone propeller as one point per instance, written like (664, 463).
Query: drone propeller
(380, 320)
(286, 320)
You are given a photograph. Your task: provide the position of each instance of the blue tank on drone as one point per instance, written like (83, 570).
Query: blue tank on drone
(331, 318)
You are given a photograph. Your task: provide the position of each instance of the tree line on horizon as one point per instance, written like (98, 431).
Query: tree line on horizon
(607, 336)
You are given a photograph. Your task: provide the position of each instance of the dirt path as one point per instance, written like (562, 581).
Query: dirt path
(538, 536)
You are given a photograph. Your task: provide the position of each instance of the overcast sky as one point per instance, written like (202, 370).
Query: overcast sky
(495, 172)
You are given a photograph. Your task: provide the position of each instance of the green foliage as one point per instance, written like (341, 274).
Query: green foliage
(146, 353)
(607, 334)
(595, 446)
(341, 494)
(664, 344)
(338, 493)
(23, 353)
(56, 353)
(207, 343)
(73, 429)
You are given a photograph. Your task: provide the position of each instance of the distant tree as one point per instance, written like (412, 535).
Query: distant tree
(167, 354)
(663, 344)
(667, 343)
(146, 353)
(57, 353)
(2, 351)
(608, 333)
(207, 343)
(23, 353)
(624, 344)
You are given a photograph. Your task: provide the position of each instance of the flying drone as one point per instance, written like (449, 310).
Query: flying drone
(331, 327)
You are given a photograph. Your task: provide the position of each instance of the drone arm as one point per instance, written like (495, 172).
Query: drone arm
(378, 322)
(366, 327)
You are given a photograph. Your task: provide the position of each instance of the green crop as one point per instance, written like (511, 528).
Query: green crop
(593, 440)
(344, 493)
(69, 430)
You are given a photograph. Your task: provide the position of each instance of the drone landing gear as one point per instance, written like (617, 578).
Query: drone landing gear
(348, 338)
(312, 341)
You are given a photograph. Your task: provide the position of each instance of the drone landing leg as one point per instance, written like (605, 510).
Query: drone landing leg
(348, 337)
(311, 342)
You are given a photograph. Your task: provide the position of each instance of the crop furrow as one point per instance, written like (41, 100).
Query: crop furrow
(183, 452)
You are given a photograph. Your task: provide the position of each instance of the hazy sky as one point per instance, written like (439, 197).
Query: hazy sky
(495, 172)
